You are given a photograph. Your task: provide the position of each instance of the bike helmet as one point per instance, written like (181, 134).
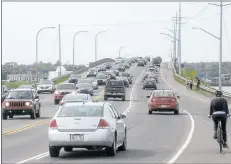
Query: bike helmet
(218, 93)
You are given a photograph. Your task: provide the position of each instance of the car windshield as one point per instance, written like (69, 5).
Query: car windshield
(163, 94)
(85, 85)
(45, 82)
(125, 74)
(115, 83)
(101, 77)
(77, 97)
(65, 86)
(74, 110)
(20, 95)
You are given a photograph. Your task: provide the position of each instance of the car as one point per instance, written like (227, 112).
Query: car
(127, 75)
(164, 101)
(21, 102)
(95, 84)
(115, 89)
(102, 68)
(91, 72)
(101, 79)
(89, 125)
(29, 87)
(74, 78)
(83, 81)
(121, 68)
(45, 86)
(126, 65)
(61, 90)
(150, 83)
(141, 63)
(76, 97)
(153, 76)
(86, 88)
(108, 65)
(124, 79)
(115, 69)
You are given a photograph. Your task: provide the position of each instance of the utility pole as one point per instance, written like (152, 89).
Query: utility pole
(179, 40)
(60, 63)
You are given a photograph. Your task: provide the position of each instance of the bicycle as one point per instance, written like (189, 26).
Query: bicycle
(220, 139)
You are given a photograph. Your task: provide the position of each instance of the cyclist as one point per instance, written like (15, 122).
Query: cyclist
(219, 111)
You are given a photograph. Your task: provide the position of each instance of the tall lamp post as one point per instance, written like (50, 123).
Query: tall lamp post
(37, 48)
(74, 46)
(96, 44)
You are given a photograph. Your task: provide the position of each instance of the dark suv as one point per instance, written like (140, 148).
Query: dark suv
(115, 89)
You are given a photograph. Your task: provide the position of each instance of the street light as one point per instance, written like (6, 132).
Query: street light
(37, 48)
(74, 47)
(121, 49)
(220, 54)
(96, 48)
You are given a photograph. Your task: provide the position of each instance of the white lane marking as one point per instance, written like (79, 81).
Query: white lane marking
(184, 146)
(37, 157)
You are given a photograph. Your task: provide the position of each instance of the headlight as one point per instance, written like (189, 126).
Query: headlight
(27, 103)
(7, 104)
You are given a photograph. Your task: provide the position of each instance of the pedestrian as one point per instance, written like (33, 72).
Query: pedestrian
(191, 84)
(198, 83)
(187, 84)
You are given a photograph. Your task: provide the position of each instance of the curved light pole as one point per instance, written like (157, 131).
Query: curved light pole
(121, 49)
(74, 47)
(96, 48)
(37, 48)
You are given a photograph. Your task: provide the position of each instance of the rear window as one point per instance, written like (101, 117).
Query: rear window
(73, 110)
(115, 84)
(75, 98)
(163, 94)
(125, 74)
(84, 81)
(66, 86)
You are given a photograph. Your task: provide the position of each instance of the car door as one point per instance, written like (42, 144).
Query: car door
(119, 125)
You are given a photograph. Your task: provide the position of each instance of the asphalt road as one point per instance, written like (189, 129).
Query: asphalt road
(156, 138)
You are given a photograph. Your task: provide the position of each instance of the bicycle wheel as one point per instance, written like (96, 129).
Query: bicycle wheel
(220, 138)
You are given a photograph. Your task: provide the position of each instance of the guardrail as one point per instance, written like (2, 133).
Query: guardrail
(212, 90)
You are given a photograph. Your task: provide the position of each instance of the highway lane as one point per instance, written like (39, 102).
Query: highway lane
(202, 147)
(35, 137)
(151, 138)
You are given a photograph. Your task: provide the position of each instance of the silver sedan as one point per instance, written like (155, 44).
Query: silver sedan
(90, 125)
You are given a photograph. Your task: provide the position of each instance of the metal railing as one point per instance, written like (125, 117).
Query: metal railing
(212, 90)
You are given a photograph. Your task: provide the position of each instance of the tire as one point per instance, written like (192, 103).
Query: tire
(111, 151)
(144, 88)
(123, 98)
(124, 146)
(54, 151)
(176, 112)
(220, 139)
(105, 98)
(33, 114)
(11, 116)
(38, 114)
(68, 149)
(149, 112)
(52, 91)
(4, 116)
(56, 102)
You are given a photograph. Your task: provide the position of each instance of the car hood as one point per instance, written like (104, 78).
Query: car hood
(17, 100)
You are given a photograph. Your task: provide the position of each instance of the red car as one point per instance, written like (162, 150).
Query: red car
(62, 90)
(164, 101)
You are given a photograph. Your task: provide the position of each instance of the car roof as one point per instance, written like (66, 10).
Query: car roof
(22, 89)
(94, 104)
(66, 83)
(163, 90)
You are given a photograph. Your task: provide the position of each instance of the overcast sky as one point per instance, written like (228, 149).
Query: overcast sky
(135, 25)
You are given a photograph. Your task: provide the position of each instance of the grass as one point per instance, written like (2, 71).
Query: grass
(61, 80)
(13, 85)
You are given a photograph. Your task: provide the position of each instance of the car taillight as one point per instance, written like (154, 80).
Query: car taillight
(154, 99)
(173, 100)
(57, 92)
(103, 124)
(53, 124)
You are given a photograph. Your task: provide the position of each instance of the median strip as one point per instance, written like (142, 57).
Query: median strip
(25, 128)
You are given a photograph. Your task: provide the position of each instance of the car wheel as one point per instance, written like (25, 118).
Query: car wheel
(33, 114)
(123, 98)
(54, 151)
(124, 146)
(68, 149)
(111, 151)
(143, 87)
(52, 91)
(11, 116)
(56, 102)
(4, 116)
(149, 112)
(105, 98)
(176, 112)
(38, 113)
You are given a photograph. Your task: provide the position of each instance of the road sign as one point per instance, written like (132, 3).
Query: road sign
(193, 73)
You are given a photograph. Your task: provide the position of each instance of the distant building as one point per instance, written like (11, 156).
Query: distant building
(30, 76)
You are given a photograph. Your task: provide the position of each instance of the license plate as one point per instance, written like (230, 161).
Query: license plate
(76, 137)
(164, 106)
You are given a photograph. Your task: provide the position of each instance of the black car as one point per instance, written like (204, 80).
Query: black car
(124, 79)
(127, 75)
(74, 78)
(121, 68)
(116, 71)
(141, 63)
(115, 89)
(150, 83)
(108, 65)
(86, 88)
(91, 73)
(101, 79)
(101, 69)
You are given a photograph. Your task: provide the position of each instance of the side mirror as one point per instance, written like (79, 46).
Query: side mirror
(148, 96)
(122, 116)
(37, 97)
(178, 97)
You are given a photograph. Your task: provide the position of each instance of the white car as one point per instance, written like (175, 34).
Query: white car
(90, 125)
(45, 86)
